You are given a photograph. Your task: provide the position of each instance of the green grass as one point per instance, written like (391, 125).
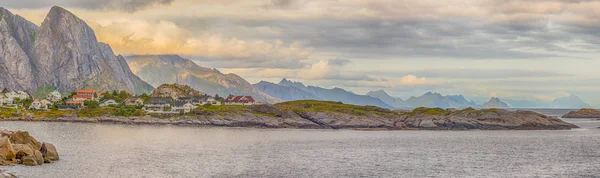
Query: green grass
(330, 106)
(7, 112)
(476, 111)
(429, 111)
(50, 113)
(223, 109)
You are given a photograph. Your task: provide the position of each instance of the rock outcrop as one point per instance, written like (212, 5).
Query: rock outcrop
(21, 148)
(62, 53)
(175, 90)
(583, 113)
(484, 119)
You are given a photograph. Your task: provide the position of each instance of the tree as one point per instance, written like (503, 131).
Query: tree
(5, 90)
(145, 97)
(91, 104)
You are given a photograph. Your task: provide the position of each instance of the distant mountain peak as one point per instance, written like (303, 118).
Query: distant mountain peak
(495, 102)
(286, 82)
(572, 102)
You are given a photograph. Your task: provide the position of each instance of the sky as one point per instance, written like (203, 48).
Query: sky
(525, 49)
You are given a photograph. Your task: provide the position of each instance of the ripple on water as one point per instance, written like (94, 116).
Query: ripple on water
(96, 150)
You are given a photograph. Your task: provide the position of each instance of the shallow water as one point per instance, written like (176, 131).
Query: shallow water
(97, 150)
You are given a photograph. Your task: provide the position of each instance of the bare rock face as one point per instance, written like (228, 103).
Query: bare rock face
(7, 152)
(489, 119)
(63, 53)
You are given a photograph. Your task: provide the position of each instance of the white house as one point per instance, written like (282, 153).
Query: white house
(54, 96)
(39, 105)
(182, 107)
(12, 95)
(22, 95)
(109, 102)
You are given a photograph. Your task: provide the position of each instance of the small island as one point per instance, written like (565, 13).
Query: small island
(583, 113)
(18, 147)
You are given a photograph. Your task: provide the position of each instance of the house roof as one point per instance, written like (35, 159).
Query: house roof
(109, 100)
(132, 99)
(159, 101)
(179, 104)
(68, 106)
(83, 96)
(86, 91)
(74, 102)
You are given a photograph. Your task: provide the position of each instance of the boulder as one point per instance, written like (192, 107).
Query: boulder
(49, 153)
(37, 155)
(4, 174)
(28, 160)
(21, 137)
(26, 154)
(7, 152)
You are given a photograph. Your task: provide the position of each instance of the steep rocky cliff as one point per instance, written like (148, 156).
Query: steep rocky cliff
(63, 53)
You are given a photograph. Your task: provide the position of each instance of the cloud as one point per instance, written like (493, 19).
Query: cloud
(339, 62)
(478, 73)
(123, 5)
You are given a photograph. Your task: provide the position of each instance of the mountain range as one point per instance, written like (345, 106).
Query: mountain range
(162, 69)
(62, 53)
(288, 90)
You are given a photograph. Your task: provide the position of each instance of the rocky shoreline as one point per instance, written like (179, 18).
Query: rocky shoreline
(18, 147)
(585, 113)
(271, 117)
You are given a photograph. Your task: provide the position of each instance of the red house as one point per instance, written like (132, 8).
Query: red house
(240, 100)
(84, 95)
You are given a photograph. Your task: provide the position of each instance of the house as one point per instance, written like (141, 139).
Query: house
(7, 102)
(75, 102)
(54, 96)
(134, 101)
(213, 101)
(22, 95)
(12, 95)
(68, 107)
(109, 102)
(182, 107)
(202, 100)
(157, 104)
(240, 100)
(3, 99)
(83, 95)
(39, 105)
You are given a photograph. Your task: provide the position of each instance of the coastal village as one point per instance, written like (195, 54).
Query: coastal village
(166, 99)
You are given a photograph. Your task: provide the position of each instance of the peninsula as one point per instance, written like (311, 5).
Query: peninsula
(311, 114)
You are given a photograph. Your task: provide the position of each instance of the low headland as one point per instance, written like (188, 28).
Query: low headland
(586, 113)
(305, 114)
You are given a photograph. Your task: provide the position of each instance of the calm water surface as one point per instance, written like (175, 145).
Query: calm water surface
(96, 150)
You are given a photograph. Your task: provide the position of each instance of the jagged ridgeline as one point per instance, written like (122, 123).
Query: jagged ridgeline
(63, 53)
(161, 69)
